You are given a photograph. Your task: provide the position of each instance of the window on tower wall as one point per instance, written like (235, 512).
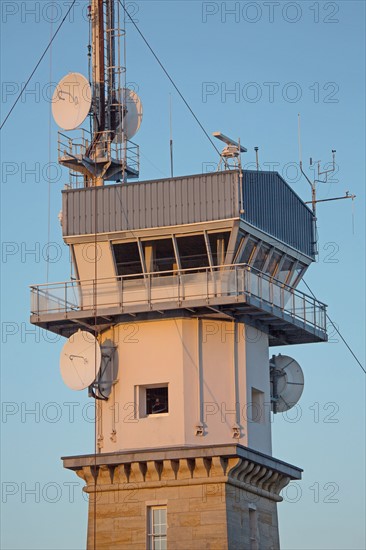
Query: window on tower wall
(157, 528)
(127, 258)
(249, 251)
(298, 274)
(157, 400)
(285, 270)
(192, 251)
(257, 406)
(273, 264)
(219, 244)
(159, 256)
(261, 257)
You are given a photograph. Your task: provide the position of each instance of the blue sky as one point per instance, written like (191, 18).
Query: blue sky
(280, 59)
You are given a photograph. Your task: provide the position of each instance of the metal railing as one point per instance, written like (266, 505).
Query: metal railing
(184, 288)
(79, 146)
(75, 146)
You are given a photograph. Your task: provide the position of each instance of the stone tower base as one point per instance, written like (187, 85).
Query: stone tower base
(222, 497)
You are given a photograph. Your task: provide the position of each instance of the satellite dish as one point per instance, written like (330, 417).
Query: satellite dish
(71, 101)
(133, 115)
(80, 360)
(287, 382)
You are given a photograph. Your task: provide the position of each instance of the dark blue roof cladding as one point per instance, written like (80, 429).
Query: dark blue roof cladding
(271, 205)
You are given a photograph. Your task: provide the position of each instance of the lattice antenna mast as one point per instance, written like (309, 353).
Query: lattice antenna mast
(109, 79)
(106, 152)
(109, 66)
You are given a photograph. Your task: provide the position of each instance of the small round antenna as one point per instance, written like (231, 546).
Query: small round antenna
(287, 382)
(71, 101)
(80, 360)
(133, 115)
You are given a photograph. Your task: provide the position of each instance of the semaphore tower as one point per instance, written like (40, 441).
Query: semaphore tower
(181, 287)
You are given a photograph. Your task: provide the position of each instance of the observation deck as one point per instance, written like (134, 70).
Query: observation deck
(225, 245)
(239, 292)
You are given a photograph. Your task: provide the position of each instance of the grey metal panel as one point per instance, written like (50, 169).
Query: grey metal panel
(269, 204)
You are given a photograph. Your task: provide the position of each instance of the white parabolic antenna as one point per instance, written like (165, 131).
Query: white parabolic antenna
(133, 116)
(80, 360)
(71, 101)
(287, 383)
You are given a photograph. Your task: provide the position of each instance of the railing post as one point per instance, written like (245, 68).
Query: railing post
(149, 289)
(207, 299)
(236, 284)
(178, 296)
(271, 292)
(315, 324)
(260, 286)
(94, 297)
(121, 300)
(65, 298)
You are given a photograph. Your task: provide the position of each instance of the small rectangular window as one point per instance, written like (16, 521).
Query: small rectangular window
(157, 528)
(157, 400)
(257, 406)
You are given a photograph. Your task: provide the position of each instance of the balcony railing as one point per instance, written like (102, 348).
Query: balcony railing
(230, 284)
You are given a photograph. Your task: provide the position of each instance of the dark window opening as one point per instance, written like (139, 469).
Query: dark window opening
(159, 255)
(249, 251)
(157, 400)
(261, 257)
(219, 243)
(299, 272)
(273, 264)
(285, 270)
(192, 251)
(239, 252)
(127, 259)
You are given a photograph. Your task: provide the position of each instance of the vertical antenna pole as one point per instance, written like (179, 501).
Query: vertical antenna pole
(241, 190)
(299, 138)
(256, 157)
(313, 190)
(171, 135)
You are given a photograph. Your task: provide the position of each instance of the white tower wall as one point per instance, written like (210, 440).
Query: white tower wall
(212, 369)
